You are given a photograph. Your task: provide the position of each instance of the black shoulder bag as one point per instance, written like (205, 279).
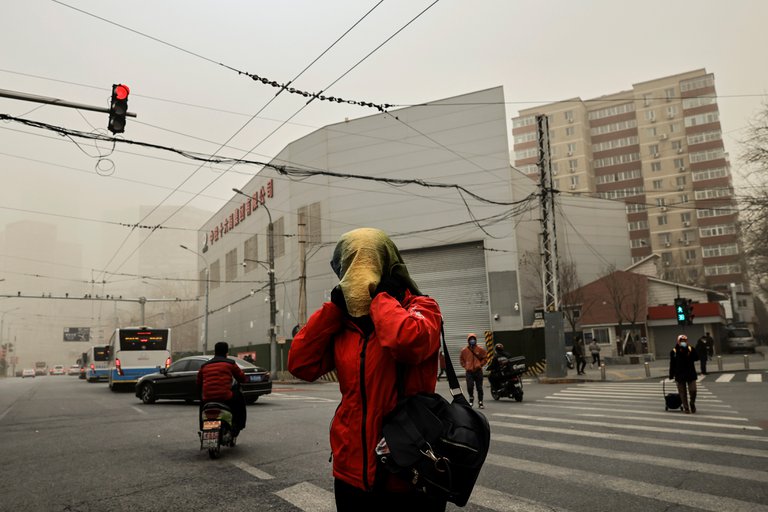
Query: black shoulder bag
(438, 446)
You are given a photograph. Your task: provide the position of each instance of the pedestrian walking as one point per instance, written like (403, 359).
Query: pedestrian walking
(594, 349)
(578, 353)
(705, 349)
(472, 359)
(683, 370)
(376, 322)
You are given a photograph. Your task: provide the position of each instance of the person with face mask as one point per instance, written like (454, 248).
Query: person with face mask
(473, 358)
(376, 322)
(683, 370)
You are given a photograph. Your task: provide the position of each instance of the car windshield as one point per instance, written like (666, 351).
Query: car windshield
(740, 333)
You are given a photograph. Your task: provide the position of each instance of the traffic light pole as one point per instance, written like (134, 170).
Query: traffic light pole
(46, 100)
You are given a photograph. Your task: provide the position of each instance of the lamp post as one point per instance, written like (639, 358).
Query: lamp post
(207, 293)
(271, 271)
(734, 303)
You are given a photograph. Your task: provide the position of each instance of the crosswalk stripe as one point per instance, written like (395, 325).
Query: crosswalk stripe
(607, 436)
(726, 377)
(633, 396)
(625, 401)
(677, 421)
(644, 428)
(658, 413)
(754, 377)
(261, 475)
(285, 396)
(503, 502)
(308, 497)
(699, 467)
(682, 497)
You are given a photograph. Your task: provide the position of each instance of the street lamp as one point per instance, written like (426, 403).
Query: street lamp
(207, 293)
(272, 301)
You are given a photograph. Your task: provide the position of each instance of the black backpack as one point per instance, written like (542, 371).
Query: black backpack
(438, 446)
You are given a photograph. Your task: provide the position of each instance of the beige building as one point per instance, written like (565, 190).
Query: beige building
(658, 147)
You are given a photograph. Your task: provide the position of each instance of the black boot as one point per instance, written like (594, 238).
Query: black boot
(693, 402)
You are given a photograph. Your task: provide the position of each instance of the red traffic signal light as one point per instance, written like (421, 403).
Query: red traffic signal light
(118, 108)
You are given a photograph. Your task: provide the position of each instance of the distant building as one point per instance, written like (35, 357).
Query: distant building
(659, 148)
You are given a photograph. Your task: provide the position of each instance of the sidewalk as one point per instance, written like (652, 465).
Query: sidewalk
(660, 369)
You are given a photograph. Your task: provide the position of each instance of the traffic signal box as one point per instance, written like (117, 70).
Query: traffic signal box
(118, 108)
(684, 311)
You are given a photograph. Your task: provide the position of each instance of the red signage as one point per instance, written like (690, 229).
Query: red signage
(238, 215)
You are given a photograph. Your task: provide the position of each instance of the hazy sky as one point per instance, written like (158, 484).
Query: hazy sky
(540, 51)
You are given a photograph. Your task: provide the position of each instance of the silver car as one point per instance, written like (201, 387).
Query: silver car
(740, 338)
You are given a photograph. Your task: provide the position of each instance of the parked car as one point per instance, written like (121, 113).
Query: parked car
(74, 370)
(739, 338)
(28, 372)
(57, 370)
(179, 381)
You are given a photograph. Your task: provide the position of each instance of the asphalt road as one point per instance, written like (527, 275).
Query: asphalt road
(66, 445)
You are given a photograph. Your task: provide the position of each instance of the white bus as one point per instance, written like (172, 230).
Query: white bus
(137, 351)
(96, 363)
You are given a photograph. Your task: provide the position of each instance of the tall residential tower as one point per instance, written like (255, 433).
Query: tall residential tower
(659, 148)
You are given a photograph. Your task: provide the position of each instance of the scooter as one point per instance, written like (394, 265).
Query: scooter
(216, 428)
(507, 380)
(569, 359)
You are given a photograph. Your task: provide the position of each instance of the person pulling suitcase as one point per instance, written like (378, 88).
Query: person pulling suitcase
(683, 370)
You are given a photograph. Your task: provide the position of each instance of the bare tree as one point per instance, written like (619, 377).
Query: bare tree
(627, 295)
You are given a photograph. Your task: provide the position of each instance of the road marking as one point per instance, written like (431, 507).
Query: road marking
(138, 410)
(754, 377)
(649, 428)
(627, 396)
(735, 450)
(625, 400)
(676, 421)
(682, 497)
(261, 475)
(503, 502)
(699, 467)
(726, 377)
(309, 497)
(285, 396)
(658, 413)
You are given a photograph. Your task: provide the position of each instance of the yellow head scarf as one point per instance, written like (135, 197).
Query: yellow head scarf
(362, 258)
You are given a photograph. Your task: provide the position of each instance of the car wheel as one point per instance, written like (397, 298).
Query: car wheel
(251, 400)
(148, 394)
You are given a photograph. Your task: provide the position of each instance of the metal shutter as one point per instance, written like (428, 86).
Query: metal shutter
(455, 277)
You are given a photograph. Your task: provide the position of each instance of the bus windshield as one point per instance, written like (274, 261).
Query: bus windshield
(100, 354)
(143, 339)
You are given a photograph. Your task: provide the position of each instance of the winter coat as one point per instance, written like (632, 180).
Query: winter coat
(473, 359)
(681, 367)
(366, 369)
(216, 376)
(594, 348)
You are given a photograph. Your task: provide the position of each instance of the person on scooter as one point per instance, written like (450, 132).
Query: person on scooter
(495, 377)
(216, 380)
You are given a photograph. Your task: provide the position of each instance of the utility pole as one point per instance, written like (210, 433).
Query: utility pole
(302, 272)
(554, 339)
(272, 298)
(207, 293)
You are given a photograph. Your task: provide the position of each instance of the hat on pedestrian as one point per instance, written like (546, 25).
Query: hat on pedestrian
(682, 337)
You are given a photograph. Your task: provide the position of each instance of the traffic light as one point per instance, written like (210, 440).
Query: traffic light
(684, 311)
(118, 108)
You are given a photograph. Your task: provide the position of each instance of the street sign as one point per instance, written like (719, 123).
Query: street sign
(77, 334)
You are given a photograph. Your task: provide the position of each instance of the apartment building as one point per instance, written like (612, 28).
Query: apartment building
(657, 147)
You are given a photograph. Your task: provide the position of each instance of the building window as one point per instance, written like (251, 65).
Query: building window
(201, 283)
(638, 243)
(677, 145)
(601, 335)
(690, 255)
(573, 165)
(215, 277)
(647, 99)
(669, 93)
(680, 181)
(250, 254)
(679, 163)
(230, 266)
(571, 148)
(666, 258)
(685, 217)
(652, 131)
(569, 130)
(653, 150)
(574, 181)
(660, 201)
(309, 216)
(671, 112)
(279, 237)
(655, 166)
(662, 220)
(674, 128)
(568, 116)
(650, 115)
(683, 198)
(657, 184)
(664, 238)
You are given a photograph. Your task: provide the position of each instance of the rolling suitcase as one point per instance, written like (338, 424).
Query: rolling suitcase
(672, 400)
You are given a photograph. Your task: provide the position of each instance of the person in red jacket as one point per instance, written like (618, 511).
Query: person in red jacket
(217, 380)
(376, 318)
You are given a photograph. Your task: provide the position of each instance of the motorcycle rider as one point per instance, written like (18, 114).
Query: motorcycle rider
(495, 377)
(215, 380)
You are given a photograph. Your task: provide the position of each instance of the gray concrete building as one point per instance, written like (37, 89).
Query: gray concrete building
(465, 229)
